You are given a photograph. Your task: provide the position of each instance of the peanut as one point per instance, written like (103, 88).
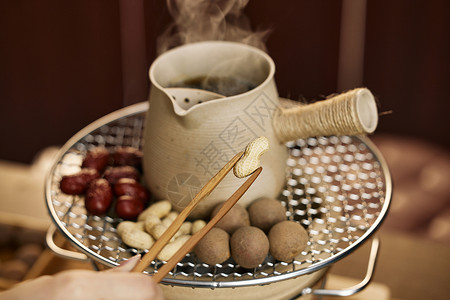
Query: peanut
(150, 221)
(249, 161)
(169, 218)
(136, 238)
(124, 225)
(185, 229)
(159, 209)
(158, 230)
(140, 226)
(171, 248)
(197, 225)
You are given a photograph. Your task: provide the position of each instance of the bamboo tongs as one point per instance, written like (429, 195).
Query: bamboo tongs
(176, 224)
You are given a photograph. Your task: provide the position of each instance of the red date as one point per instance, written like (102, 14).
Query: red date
(128, 207)
(128, 186)
(96, 158)
(98, 196)
(96, 180)
(77, 183)
(114, 174)
(127, 156)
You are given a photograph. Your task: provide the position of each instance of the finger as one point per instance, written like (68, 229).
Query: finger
(127, 265)
(125, 286)
(90, 285)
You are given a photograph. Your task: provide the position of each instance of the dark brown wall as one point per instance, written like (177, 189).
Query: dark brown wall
(304, 44)
(61, 64)
(407, 65)
(59, 70)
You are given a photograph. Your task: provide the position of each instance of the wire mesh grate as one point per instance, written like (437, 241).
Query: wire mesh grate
(336, 187)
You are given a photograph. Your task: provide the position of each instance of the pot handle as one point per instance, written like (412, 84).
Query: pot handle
(356, 288)
(351, 113)
(49, 239)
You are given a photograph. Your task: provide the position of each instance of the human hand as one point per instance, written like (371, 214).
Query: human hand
(115, 284)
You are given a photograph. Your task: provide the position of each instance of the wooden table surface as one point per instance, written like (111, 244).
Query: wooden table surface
(412, 268)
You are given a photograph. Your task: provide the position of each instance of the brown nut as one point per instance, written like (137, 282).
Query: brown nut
(266, 212)
(234, 219)
(249, 246)
(287, 240)
(129, 207)
(214, 247)
(98, 196)
(129, 186)
(114, 174)
(77, 183)
(96, 158)
(127, 156)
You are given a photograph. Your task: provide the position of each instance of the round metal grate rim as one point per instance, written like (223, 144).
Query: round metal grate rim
(338, 188)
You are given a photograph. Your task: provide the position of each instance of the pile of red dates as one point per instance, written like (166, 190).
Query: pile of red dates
(108, 177)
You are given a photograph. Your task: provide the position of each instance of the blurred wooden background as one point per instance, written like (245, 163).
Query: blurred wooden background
(64, 64)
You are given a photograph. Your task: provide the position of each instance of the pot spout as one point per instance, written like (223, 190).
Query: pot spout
(184, 99)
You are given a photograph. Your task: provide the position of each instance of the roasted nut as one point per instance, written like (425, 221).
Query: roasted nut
(266, 212)
(249, 161)
(129, 186)
(197, 225)
(140, 225)
(249, 246)
(136, 238)
(287, 240)
(158, 230)
(159, 209)
(171, 248)
(124, 225)
(234, 219)
(150, 221)
(168, 220)
(127, 156)
(77, 183)
(185, 229)
(96, 158)
(129, 207)
(98, 196)
(114, 174)
(214, 247)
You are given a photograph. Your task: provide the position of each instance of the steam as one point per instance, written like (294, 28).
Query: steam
(202, 20)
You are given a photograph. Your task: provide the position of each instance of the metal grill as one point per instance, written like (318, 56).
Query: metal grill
(338, 188)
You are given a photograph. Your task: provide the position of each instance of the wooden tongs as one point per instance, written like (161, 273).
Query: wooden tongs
(176, 224)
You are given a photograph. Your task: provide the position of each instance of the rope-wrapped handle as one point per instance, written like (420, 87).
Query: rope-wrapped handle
(350, 113)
